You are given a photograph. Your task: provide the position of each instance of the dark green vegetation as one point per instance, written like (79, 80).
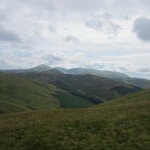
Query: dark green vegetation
(122, 124)
(23, 94)
(92, 88)
(68, 100)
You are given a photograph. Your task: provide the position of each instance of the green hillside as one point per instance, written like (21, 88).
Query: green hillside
(140, 97)
(25, 92)
(7, 107)
(35, 95)
(122, 124)
(89, 87)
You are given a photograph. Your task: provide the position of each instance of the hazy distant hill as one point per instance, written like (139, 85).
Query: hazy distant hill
(143, 83)
(117, 76)
(40, 68)
(106, 74)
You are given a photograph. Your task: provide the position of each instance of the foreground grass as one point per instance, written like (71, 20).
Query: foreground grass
(123, 126)
(7, 107)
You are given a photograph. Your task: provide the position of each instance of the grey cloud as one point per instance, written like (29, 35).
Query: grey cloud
(51, 59)
(142, 28)
(72, 39)
(63, 5)
(144, 69)
(121, 67)
(8, 36)
(83, 5)
(52, 29)
(121, 6)
(111, 66)
(78, 6)
(42, 5)
(104, 24)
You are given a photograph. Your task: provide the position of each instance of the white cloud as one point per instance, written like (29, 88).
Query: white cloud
(104, 23)
(80, 32)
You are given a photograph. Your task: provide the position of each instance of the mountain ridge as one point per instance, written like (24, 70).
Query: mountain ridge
(117, 76)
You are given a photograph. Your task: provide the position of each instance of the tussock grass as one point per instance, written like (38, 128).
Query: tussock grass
(122, 124)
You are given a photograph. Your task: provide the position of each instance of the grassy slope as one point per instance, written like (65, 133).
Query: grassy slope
(26, 92)
(139, 97)
(120, 124)
(91, 86)
(34, 95)
(103, 88)
(70, 101)
(7, 107)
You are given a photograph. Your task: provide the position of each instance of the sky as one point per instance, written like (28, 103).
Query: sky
(103, 34)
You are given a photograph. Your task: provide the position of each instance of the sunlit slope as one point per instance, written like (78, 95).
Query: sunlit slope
(124, 125)
(35, 95)
(26, 92)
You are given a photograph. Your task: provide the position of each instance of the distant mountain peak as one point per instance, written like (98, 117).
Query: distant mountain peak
(43, 65)
(40, 68)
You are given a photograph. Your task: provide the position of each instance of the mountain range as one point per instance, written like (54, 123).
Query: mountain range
(44, 87)
(116, 76)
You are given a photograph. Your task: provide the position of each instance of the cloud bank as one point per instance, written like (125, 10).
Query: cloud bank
(76, 33)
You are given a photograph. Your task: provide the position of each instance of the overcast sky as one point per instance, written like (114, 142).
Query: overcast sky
(103, 34)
